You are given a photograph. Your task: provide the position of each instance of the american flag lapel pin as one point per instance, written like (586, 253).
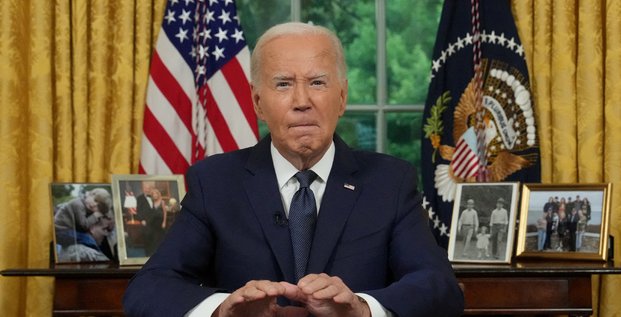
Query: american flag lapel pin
(349, 186)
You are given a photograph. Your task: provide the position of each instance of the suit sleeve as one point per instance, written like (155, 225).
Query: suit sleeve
(171, 282)
(425, 284)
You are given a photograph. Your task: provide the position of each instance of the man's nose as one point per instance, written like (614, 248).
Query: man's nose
(301, 99)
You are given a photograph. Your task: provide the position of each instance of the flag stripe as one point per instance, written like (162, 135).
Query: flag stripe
(218, 122)
(169, 89)
(234, 75)
(229, 109)
(175, 64)
(164, 145)
(150, 157)
(164, 113)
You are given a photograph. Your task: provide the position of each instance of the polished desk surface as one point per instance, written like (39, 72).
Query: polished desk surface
(517, 269)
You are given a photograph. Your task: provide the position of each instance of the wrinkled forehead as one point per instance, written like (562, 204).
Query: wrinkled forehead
(299, 46)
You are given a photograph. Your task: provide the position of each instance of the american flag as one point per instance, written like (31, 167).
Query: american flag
(198, 96)
(466, 161)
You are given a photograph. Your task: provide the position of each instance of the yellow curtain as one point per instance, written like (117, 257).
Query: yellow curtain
(573, 50)
(72, 80)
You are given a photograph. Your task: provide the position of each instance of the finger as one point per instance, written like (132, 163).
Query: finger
(269, 288)
(314, 282)
(325, 284)
(293, 292)
(330, 291)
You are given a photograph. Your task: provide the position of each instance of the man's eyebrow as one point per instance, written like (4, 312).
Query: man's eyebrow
(282, 77)
(318, 76)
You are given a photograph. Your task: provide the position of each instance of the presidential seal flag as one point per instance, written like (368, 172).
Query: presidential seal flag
(479, 123)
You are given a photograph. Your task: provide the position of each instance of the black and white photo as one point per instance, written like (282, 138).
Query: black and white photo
(483, 222)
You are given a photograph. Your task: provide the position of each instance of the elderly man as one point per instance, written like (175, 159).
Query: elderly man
(245, 243)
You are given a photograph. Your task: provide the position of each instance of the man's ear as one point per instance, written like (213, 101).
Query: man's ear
(344, 91)
(256, 101)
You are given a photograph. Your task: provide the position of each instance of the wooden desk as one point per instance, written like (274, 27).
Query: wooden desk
(517, 289)
(530, 287)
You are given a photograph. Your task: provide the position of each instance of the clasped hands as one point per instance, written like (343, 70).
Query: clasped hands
(318, 294)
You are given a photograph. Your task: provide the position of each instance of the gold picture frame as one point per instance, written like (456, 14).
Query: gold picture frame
(488, 239)
(575, 218)
(145, 207)
(82, 222)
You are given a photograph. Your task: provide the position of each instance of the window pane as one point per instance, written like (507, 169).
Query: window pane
(404, 135)
(354, 23)
(358, 130)
(258, 16)
(410, 36)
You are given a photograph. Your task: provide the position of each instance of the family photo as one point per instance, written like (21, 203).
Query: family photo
(84, 228)
(482, 228)
(563, 221)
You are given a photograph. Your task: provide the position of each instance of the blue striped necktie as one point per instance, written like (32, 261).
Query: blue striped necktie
(302, 218)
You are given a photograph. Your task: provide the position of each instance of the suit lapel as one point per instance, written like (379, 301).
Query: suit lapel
(264, 195)
(341, 193)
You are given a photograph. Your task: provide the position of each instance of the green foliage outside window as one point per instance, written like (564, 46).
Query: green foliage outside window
(410, 35)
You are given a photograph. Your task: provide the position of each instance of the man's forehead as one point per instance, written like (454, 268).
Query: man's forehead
(293, 76)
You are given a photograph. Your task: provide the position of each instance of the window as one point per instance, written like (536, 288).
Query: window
(388, 47)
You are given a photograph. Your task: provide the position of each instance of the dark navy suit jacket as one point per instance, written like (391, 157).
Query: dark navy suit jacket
(371, 232)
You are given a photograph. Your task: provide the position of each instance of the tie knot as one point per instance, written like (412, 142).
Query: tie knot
(305, 178)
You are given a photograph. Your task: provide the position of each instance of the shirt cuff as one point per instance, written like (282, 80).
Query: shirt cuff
(377, 310)
(207, 306)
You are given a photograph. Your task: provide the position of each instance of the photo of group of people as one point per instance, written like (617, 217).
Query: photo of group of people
(84, 227)
(483, 222)
(565, 221)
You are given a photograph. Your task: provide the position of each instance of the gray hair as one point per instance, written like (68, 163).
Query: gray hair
(296, 28)
(102, 198)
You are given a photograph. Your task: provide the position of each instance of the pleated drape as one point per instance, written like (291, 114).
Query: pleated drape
(72, 82)
(573, 49)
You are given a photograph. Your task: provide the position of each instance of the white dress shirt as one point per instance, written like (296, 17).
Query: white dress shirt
(288, 185)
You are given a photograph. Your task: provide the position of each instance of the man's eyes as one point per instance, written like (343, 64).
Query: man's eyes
(312, 83)
(318, 82)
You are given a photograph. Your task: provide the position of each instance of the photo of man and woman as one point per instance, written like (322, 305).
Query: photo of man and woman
(147, 207)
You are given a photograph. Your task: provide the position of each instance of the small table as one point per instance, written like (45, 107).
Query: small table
(519, 288)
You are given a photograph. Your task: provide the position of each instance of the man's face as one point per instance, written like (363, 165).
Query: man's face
(470, 204)
(147, 186)
(299, 94)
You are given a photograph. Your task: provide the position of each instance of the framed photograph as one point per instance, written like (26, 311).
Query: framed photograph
(483, 223)
(84, 229)
(145, 208)
(564, 221)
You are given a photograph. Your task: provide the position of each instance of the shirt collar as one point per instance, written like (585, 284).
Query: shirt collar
(285, 170)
